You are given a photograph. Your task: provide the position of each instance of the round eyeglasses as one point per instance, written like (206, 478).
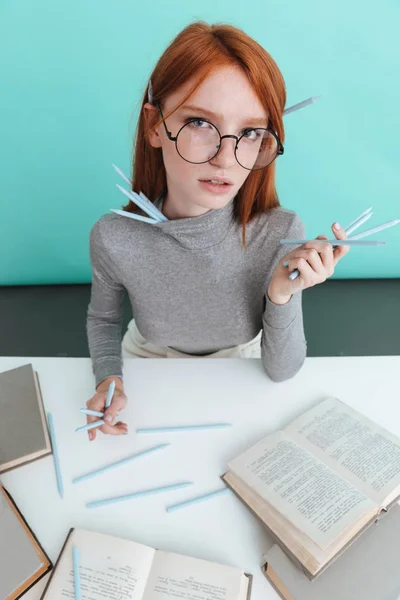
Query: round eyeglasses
(255, 149)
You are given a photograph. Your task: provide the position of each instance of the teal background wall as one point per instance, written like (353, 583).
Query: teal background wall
(72, 74)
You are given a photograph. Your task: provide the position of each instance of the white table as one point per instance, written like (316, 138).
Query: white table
(181, 391)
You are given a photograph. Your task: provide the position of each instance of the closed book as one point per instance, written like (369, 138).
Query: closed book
(23, 427)
(369, 569)
(23, 562)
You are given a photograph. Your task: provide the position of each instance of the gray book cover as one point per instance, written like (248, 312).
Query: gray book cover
(23, 562)
(23, 429)
(368, 569)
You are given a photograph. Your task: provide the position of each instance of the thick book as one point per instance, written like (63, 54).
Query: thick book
(22, 559)
(114, 567)
(369, 569)
(23, 427)
(320, 482)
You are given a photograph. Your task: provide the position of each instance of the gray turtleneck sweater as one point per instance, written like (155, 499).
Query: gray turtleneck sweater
(193, 287)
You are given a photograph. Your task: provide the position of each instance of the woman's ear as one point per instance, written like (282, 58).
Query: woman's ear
(150, 115)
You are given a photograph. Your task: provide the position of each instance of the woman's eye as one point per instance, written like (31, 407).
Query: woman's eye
(251, 134)
(199, 123)
(193, 120)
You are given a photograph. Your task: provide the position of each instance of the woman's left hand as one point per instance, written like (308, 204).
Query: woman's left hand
(316, 262)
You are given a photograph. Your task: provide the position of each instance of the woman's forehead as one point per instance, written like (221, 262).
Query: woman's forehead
(225, 91)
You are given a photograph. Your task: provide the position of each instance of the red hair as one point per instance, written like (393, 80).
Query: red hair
(196, 51)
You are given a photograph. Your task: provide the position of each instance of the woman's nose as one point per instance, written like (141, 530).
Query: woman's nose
(226, 153)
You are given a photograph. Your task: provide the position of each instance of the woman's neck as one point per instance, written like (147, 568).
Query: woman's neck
(173, 209)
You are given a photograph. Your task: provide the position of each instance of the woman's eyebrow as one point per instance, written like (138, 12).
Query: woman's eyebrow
(261, 122)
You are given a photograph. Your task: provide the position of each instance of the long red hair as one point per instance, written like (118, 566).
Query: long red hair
(195, 52)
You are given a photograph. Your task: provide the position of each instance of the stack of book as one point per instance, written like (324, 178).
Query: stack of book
(326, 487)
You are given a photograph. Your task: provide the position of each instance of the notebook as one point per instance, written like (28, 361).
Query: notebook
(369, 569)
(23, 428)
(23, 561)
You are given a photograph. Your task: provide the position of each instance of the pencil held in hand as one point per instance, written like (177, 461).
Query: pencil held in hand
(108, 402)
(362, 218)
(348, 242)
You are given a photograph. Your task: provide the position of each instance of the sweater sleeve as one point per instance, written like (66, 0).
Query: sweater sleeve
(283, 343)
(105, 311)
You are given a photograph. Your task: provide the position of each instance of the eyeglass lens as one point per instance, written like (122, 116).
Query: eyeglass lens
(256, 148)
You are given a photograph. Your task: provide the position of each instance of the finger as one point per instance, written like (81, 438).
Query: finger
(314, 258)
(307, 274)
(91, 432)
(340, 234)
(327, 256)
(118, 403)
(119, 428)
(317, 244)
(325, 251)
(97, 402)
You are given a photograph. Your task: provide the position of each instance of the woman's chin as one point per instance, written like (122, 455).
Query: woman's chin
(209, 201)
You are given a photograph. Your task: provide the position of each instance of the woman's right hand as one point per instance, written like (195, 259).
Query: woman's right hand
(98, 402)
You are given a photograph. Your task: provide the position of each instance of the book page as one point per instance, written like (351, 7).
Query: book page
(361, 451)
(110, 568)
(308, 493)
(185, 578)
(19, 559)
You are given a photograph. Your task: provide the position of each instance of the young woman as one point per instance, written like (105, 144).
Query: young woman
(210, 280)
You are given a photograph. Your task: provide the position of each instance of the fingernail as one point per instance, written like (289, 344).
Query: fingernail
(108, 418)
(337, 226)
(286, 263)
(90, 435)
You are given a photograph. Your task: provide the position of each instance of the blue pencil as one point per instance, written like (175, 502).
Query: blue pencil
(55, 454)
(125, 213)
(157, 490)
(352, 241)
(90, 425)
(365, 215)
(110, 393)
(300, 104)
(142, 199)
(77, 577)
(92, 413)
(197, 499)
(124, 461)
(184, 428)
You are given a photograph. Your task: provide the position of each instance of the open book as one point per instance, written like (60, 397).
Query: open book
(23, 428)
(22, 560)
(320, 482)
(112, 567)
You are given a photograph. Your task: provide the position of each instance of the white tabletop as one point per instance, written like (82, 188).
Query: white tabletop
(171, 392)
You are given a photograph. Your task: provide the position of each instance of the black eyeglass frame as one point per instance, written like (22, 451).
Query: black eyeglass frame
(279, 152)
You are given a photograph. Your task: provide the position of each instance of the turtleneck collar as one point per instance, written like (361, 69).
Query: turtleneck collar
(199, 232)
